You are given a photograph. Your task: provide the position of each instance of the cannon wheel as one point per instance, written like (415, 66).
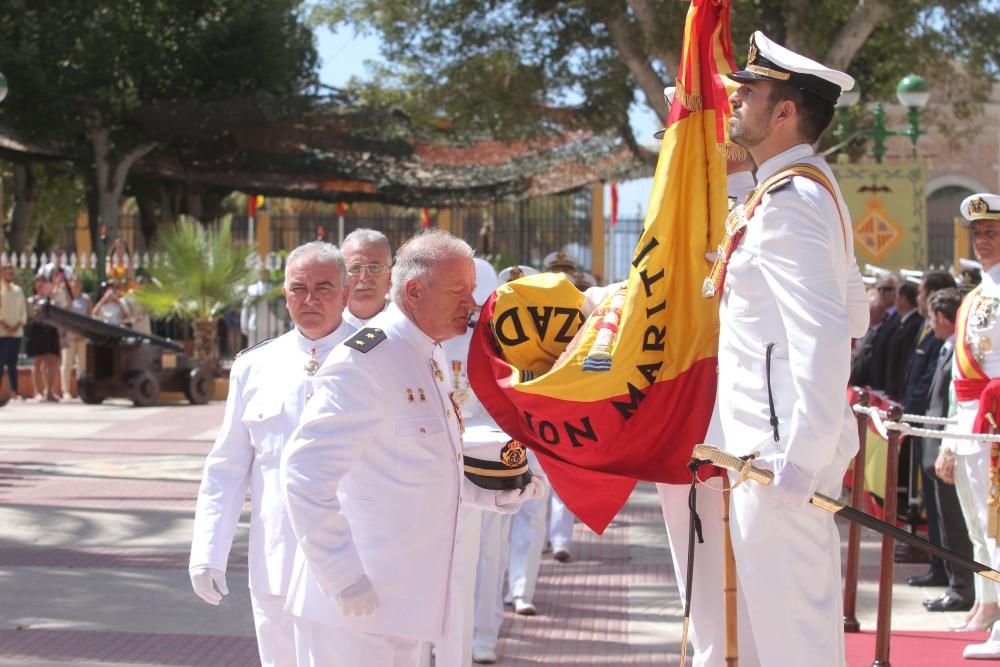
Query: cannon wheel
(144, 389)
(200, 386)
(87, 388)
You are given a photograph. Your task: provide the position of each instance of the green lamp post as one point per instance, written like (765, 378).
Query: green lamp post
(913, 92)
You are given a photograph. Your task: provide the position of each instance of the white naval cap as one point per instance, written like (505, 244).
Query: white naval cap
(772, 62)
(983, 206)
(515, 272)
(493, 460)
(559, 260)
(486, 280)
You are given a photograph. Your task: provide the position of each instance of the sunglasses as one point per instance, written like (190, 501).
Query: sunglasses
(374, 269)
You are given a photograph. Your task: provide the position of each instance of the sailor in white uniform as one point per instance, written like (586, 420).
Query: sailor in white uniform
(792, 299)
(368, 256)
(374, 475)
(270, 384)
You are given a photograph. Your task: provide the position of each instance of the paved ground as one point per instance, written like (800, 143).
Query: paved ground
(95, 517)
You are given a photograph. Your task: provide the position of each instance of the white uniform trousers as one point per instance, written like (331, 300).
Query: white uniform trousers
(527, 539)
(275, 634)
(322, 645)
(706, 634)
(560, 524)
(455, 650)
(788, 578)
(972, 480)
(494, 550)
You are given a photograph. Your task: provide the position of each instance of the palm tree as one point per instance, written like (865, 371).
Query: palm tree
(200, 273)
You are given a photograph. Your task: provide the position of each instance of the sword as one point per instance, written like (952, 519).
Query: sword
(717, 457)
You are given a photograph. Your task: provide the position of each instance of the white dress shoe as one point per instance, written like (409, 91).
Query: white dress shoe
(483, 656)
(522, 608)
(987, 651)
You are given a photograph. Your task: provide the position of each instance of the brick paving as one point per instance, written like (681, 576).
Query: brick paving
(96, 506)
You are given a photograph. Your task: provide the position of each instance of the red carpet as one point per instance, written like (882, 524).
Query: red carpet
(917, 649)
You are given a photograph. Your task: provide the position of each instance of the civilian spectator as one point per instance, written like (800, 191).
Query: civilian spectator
(42, 345)
(13, 316)
(74, 345)
(109, 308)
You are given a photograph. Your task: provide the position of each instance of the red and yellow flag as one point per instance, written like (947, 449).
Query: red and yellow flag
(625, 394)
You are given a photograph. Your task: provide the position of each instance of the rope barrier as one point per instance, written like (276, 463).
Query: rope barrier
(904, 428)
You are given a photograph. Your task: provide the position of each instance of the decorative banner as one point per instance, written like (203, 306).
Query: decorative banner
(887, 205)
(425, 218)
(626, 394)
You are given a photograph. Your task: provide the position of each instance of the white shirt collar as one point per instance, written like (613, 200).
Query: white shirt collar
(394, 319)
(359, 323)
(776, 163)
(321, 345)
(992, 277)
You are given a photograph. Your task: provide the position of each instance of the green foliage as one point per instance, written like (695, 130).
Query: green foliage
(516, 67)
(200, 274)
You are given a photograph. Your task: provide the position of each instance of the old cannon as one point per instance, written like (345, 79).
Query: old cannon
(122, 363)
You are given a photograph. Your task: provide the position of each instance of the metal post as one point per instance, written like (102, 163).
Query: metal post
(884, 623)
(851, 623)
(879, 133)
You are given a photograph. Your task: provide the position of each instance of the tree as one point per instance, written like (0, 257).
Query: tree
(199, 275)
(82, 73)
(517, 66)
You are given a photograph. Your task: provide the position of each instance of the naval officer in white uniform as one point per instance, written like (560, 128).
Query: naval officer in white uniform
(368, 256)
(269, 386)
(791, 301)
(374, 478)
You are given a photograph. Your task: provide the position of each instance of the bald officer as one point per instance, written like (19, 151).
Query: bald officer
(374, 478)
(368, 256)
(269, 386)
(791, 300)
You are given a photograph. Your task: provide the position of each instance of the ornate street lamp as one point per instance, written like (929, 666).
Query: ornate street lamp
(913, 92)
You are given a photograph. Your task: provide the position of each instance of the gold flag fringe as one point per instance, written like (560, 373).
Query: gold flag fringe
(732, 151)
(687, 100)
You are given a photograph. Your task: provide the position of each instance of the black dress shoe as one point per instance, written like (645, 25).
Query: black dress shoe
(948, 602)
(932, 578)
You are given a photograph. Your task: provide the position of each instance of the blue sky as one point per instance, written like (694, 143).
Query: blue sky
(343, 55)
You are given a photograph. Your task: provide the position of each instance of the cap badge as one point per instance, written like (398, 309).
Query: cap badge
(513, 455)
(516, 273)
(978, 206)
(752, 55)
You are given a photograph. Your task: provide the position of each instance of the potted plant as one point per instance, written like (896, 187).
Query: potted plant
(198, 274)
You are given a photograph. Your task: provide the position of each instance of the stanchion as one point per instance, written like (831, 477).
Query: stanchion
(853, 529)
(884, 622)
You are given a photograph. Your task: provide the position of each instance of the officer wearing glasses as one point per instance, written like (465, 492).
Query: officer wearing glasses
(368, 256)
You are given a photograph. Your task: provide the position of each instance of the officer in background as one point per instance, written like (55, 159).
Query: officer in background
(368, 255)
(792, 299)
(270, 384)
(975, 367)
(374, 476)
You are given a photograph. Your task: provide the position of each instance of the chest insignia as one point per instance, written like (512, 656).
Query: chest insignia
(513, 455)
(458, 412)
(365, 340)
(438, 373)
(420, 393)
(409, 396)
(312, 365)
(460, 386)
(983, 316)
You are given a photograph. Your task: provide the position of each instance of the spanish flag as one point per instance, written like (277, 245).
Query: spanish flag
(625, 394)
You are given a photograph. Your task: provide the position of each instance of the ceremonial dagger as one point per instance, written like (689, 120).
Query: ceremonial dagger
(717, 457)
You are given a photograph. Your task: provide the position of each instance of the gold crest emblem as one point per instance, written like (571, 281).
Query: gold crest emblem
(978, 206)
(516, 273)
(513, 455)
(752, 55)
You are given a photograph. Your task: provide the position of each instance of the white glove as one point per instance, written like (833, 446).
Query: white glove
(359, 598)
(793, 486)
(510, 500)
(205, 581)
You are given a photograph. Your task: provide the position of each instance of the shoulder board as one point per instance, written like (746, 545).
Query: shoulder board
(366, 339)
(779, 184)
(254, 347)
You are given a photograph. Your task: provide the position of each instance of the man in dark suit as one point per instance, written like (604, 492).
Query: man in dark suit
(901, 340)
(875, 375)
(945, 522)
(923, 361)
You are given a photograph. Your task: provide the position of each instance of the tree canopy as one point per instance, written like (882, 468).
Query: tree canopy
(515, 66)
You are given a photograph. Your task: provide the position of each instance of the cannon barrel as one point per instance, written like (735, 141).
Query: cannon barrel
(98, 332)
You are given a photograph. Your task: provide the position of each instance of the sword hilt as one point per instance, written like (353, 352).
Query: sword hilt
(719, 458)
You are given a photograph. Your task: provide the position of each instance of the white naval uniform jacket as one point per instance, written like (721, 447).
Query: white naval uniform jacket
(982, 332)
(267, 391)
(793, 281)
(373, 481)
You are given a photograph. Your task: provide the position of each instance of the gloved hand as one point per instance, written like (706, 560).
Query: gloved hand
(359, 598)
(205, 581)
(793, 486)
(509, 501)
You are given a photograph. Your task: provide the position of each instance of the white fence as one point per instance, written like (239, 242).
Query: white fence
(34, 261)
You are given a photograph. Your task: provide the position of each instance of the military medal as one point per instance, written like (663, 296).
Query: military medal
(313, 364)
(461, 394)
(437, 370)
